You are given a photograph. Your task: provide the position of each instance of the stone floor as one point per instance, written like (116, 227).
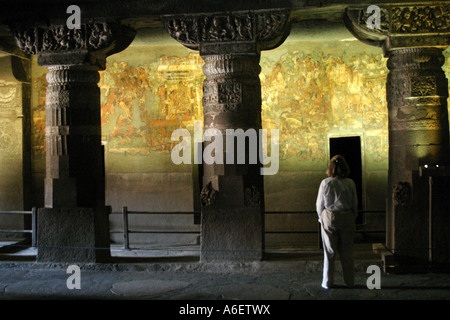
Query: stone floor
(176, 274)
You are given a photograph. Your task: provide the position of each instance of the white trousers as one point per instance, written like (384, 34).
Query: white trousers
(338, 232)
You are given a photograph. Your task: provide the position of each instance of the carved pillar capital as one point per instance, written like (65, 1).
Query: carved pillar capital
(56, 45)
(236, 32)
(402, 25)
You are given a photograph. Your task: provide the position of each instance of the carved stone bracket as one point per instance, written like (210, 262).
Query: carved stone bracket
(61, 45)
(402, 26)
(234, 32)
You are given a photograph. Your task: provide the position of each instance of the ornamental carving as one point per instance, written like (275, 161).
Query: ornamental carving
(91, 37)
(408, 19)
(208, 195)
(402, 193)
(400, 26)
(420, 19)
(230, 92)
(252, 197)
(8, 96)
(423, 86)
(236, 27)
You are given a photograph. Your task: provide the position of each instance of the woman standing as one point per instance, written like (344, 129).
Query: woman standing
(337, 207)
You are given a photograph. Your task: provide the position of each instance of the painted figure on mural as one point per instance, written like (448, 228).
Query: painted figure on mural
(307, 95)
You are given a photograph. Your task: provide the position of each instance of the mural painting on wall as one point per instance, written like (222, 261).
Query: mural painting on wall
(142, 105)
(304, 95)
(38, 116)
(308, 95)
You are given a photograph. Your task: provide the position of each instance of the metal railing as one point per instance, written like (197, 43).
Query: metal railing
(126, 231)
(33, 224)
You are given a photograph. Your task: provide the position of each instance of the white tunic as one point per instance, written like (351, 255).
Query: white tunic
(337, 194)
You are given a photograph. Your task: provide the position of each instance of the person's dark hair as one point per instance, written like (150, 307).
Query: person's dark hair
(338, 167)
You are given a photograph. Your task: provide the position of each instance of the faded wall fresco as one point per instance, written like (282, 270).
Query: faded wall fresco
(311, 91)
(142, 105)
(305, 96)
(308, 95)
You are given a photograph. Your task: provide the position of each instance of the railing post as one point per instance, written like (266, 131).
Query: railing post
(34, 227)
(126, 239)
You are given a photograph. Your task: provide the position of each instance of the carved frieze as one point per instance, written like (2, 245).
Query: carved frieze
(420, 19)
(409, 19)
(262, 27)
(91, 37)
(401, 25)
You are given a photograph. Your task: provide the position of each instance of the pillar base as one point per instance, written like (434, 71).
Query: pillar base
(234, 234)
(73, 235)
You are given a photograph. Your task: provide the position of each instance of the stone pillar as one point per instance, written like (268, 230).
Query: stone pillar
(232, 222)
(74, 155)
(413, 37)
(73, 226)
(417, 92)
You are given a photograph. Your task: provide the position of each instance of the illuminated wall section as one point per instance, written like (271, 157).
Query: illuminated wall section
(311, 91)
(314, 91)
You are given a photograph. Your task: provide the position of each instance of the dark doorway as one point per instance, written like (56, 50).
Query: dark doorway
(350, 149)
